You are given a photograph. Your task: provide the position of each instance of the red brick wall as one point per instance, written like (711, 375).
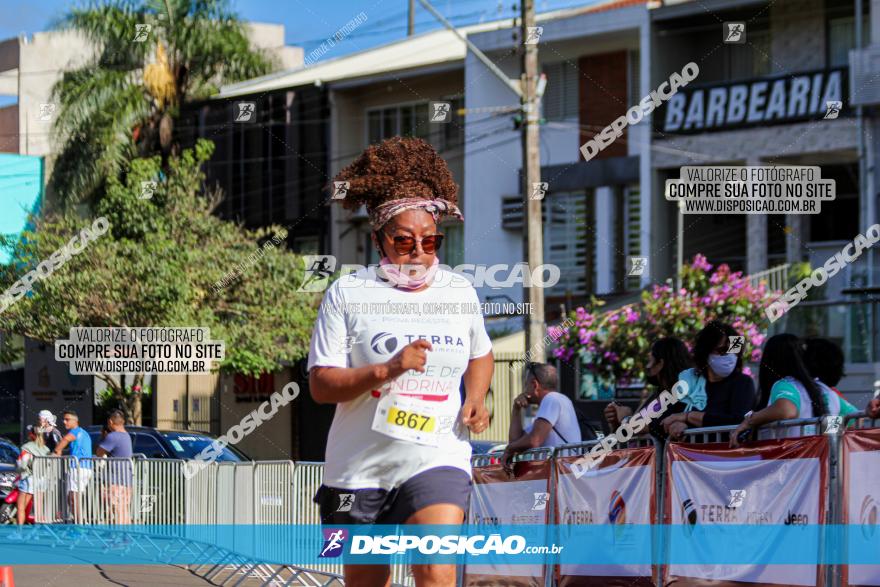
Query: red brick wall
(603, 97)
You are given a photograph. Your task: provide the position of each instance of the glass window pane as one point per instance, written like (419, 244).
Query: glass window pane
(407, 125)
(454, 130)
(375, 126)
(389, 122)
(423, 128)
(148, 446)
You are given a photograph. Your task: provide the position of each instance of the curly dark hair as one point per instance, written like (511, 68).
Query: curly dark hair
(396, 168)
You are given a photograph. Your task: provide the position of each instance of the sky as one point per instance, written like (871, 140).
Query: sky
(307, 22)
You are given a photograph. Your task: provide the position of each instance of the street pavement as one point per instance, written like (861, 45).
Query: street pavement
(82, 575)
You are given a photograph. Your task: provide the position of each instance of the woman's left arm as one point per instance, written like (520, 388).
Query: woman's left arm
(477, 378)
(781, 409)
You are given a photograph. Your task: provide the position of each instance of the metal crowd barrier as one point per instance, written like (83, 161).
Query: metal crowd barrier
(832, 426)
(156, 491)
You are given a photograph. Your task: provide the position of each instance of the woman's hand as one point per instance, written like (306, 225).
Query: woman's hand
(411, 357)
(677, 420)
(475, 416)
(744, 426)
(676, 429)
(614, 414)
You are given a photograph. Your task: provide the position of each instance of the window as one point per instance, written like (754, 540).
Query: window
(188, 445)
(452, 253)
(632, 220)
(842, 38)
(148, 446)
(560, 101)
(565, 242)
(751, 63)
(635, 77)
(412, 120)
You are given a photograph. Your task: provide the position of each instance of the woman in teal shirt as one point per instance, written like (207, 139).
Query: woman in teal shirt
(788, 391)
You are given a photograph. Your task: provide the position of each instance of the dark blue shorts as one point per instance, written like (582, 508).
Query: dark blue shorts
(380, 506)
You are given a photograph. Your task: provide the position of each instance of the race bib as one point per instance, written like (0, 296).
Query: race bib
(407, 418)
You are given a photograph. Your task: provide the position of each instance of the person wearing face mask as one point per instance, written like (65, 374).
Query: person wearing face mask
(667, 359)
(729, 393)
(390, 348)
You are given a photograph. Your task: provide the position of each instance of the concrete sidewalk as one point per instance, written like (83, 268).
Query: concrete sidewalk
(100, 575)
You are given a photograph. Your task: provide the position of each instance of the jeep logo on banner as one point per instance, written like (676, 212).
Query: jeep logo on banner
(762, 101)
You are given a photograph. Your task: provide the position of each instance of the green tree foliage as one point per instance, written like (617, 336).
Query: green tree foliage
(125, 100)
(162, 263)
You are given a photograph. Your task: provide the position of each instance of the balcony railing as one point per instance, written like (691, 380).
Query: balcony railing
(776, 277)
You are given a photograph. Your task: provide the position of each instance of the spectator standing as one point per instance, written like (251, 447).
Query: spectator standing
(80, 471)
(34, 447)
(717, 381)
(873, 409)
(556, 422)
(51, 434)
(117, 444)
(788, 390)
(825, 361)
(667, 359)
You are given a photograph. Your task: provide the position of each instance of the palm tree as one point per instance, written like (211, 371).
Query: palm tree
(152, 58)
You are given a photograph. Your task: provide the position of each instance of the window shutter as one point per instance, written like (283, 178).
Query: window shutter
(565, 242)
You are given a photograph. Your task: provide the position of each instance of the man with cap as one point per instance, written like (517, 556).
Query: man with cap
(51, 434)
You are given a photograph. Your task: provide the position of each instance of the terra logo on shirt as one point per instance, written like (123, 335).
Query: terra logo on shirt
(385, 343)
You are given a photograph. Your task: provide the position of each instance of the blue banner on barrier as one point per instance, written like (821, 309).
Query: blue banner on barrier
(307, 545)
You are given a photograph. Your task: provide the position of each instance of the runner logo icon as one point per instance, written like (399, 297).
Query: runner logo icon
(333, 542)
(346, 500)
(318, 269)
(540, 501)
(737, 497)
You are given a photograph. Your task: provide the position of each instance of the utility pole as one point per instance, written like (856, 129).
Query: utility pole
(531, 166)
(529, 91)
(411, 22)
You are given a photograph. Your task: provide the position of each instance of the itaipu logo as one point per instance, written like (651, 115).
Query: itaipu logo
(384, 343)
(617, 514)
(334, 542)
(868, 517)
(617, 508)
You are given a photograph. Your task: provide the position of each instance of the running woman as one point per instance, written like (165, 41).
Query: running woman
(397, 451)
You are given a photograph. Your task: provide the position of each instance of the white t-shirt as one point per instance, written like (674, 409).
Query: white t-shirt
(559, 411)
(365, 321)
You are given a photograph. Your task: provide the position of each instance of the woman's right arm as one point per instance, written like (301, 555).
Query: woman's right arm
(333, 385)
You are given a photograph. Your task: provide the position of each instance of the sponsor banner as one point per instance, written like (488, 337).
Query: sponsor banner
(861, 501)
(619, 493)
(767, 486)
(522, 499)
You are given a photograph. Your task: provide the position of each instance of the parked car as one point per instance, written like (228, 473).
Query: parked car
(169, 444)
(484, 447)
(8, 454)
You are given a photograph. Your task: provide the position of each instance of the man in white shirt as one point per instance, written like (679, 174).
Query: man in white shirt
(556, 422)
